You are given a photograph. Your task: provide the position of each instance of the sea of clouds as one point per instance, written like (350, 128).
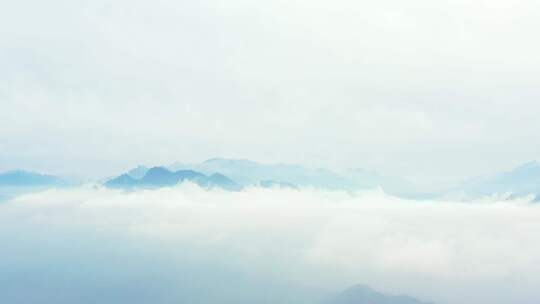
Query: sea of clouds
(189, 245)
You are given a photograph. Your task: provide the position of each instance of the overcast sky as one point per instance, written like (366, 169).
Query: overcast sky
(431, 90)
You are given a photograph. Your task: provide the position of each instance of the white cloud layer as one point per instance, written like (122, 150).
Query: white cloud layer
(269, 246)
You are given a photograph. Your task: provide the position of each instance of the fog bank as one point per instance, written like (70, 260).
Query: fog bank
(188, 245)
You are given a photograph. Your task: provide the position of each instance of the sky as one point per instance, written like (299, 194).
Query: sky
(188, 245)
(435, 91)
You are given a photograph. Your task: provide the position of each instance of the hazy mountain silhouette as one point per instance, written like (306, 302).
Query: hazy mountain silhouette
(161, 177)
(122, 181)
(223, 182)
(20, 178)
(521, 181)
(237, 173)
(17, 182)
(363, 294)
(248, 172)
(138, 172)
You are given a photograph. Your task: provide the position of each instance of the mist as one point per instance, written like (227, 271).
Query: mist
(91, 88)
(189, 245)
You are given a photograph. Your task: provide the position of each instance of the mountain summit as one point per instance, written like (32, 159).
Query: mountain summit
(363, 294)
(161, 177)
(251, 173)
(21, 178)
(521, 181)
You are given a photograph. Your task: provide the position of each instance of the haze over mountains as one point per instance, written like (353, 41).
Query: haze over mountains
(16, 182)
(235, 174)
(143, 243)
(520, 181)
(363, 294)
(161, 177)
(251, 173)
(26, 178)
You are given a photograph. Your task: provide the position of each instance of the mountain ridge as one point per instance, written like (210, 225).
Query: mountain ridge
(156, 177)
(364, 294)
(16, 178)
(251, 173)
(522, 180)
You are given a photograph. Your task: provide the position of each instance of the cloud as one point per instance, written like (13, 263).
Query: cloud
(186, 244)
(93, 87)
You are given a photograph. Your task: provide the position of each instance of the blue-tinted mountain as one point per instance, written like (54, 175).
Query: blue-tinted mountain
(221, 180)
(122, 181)
(161, 177)
(17, 182)
(362, 294)
(138, 172)
(521, 181)
(247, 173)
(20, 178)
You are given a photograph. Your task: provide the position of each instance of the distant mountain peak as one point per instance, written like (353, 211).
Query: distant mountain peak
(158, 170)
(138, 172)
(218, 179)
(124, 180)
(251, 173)
(521, 181)
(28, 178)
(364, 294)
(163, 177)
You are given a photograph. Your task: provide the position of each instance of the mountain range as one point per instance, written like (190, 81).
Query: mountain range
(235, 174)
(521, 181)
(21, 178)
(238, 173)
(162, 177)
(15, 182)
(251, 173)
